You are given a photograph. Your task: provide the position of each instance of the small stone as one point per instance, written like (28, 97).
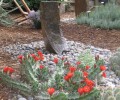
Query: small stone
(19, 96)
(22, 99)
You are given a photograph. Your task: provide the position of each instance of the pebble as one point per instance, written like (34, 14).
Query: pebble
(22, 99)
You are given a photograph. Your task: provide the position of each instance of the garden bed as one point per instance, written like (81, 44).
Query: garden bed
(106, 39)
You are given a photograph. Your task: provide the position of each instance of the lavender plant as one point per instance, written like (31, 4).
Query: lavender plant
(104, 16)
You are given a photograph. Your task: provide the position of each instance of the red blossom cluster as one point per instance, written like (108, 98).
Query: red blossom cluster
(70, 74)
(8, 70)
(103, 68)
(89, 85)
(38, 57)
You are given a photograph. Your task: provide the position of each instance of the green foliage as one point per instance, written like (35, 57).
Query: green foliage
(5, 20)
(87, 58)
(104, 16)
(115, 62)
(24, 88)
(110, 94)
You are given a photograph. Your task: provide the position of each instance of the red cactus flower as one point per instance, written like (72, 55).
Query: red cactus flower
(41, 56)
(102, 68)
(78, 63)
(36, 58)
(66, 78)
(72, 69)
(50, 91)
(80, 91)
(87, 67)
(104, 74)
(55, 60)
(20, 57)
(40, 53)
(33, 55)
(6, 69)
(70, 74)
(85, 74)
(89, 82)
(86, 89)
(11, 70)
(41, 67)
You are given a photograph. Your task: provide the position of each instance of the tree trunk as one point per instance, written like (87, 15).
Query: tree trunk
(50, 21)
(80, 6)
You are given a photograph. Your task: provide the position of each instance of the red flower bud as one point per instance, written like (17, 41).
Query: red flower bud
(41, 56)
(36, 58)
(5, 69)
(70, 74)
(8, 69)
(80, 91)
(86, 89)
(66, 78)
(50, 91)
(20, 57)
(55, 60)
(11, 70)
(104, 74)
(41, 67)
(78, 63)
(87, 67)
(85, 74)
(72, 69)
(102, 68)
(89, 82)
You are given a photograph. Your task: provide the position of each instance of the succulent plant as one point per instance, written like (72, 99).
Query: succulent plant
(110, 94)
(67, 82)
(115, 62)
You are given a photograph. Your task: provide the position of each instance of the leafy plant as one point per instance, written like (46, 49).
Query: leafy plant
(65, 82)
(110, 94)
(104, 16)
(115, 62)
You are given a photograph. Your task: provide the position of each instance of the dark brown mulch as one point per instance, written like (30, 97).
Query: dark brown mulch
(108, 39)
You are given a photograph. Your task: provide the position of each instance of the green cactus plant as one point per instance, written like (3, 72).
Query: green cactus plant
(110, 94)
(65, 82)
(115, 62)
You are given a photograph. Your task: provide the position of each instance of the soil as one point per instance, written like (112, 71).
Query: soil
(108, 39)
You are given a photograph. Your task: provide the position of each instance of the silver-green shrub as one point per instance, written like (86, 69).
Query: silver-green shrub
(104, 16)
(110, 94)
(115, 62)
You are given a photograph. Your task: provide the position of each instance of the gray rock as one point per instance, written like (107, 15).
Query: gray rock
(22, 99)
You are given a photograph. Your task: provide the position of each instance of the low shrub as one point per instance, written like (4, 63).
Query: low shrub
(104, 16)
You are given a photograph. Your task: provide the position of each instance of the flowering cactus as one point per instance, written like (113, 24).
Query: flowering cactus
(66, 82)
